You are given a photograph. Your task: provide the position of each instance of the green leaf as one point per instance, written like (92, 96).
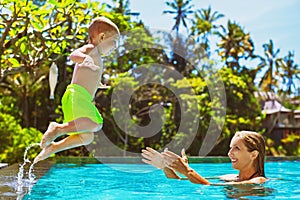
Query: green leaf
(80, 37)
(57, 50)
(36, 26)
(64, 44)
(23, 48)
(68, 2)
(53, 2)
(14, 62)
(69, 37)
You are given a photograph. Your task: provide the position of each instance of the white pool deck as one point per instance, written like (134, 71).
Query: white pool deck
(2, 165)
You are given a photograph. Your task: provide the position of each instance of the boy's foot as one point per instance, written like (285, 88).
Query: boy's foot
(45, 153)
(49, 135)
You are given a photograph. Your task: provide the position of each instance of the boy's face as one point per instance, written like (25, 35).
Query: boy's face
(108, 45)
(105, 42)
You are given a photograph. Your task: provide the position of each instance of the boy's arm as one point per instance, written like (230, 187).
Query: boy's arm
(81, 53)
(87, 56)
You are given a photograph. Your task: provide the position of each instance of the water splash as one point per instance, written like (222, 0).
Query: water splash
(31, 176)
(21, 170)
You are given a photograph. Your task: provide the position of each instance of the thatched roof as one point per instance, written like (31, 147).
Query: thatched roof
(274, 106)
(270, 103)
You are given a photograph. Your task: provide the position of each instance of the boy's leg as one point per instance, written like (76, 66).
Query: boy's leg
(69, 142)
(80, 125)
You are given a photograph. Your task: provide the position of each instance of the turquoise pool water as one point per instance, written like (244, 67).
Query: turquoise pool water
(140, 181)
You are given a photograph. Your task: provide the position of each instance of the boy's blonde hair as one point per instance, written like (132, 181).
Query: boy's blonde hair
(103, 25)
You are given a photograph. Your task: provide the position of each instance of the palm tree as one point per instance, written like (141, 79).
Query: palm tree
(122, 7)
(184, 53)
(181, 9)
(203, 25)
(271, 64)
(235, 44)
(290, 73)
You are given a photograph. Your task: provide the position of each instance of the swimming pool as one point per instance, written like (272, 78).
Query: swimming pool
(140, 181)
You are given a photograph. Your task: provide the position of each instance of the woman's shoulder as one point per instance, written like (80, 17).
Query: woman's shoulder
(233, 178)
(229, 177)
(258, 180)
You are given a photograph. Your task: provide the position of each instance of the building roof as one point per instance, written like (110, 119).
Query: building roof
(297, 114)
(271, 107)
(270, 103)
(266, 96)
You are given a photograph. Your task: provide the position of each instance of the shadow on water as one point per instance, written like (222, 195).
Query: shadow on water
(244, 191)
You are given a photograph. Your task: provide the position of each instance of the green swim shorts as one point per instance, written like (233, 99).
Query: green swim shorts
(77, 102)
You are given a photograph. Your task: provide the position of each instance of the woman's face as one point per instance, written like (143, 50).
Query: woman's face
(239, 155)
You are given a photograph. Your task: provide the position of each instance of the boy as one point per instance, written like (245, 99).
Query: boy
(81, 116)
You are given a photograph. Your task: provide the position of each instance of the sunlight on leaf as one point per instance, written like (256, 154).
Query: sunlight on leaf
(14, 62)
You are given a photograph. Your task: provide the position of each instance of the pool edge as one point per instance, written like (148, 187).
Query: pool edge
(137, 160)
(3, 165)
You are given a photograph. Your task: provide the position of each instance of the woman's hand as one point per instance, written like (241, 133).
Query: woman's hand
(175, 162)
(180, 165)
(153, 157)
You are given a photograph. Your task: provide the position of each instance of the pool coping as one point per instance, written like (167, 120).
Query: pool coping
(9, 174)
(3, 165)
(138, 160)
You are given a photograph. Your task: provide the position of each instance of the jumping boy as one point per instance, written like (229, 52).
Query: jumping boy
(81, 117)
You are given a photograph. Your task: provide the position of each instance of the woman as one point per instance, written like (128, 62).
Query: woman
(247, 154)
